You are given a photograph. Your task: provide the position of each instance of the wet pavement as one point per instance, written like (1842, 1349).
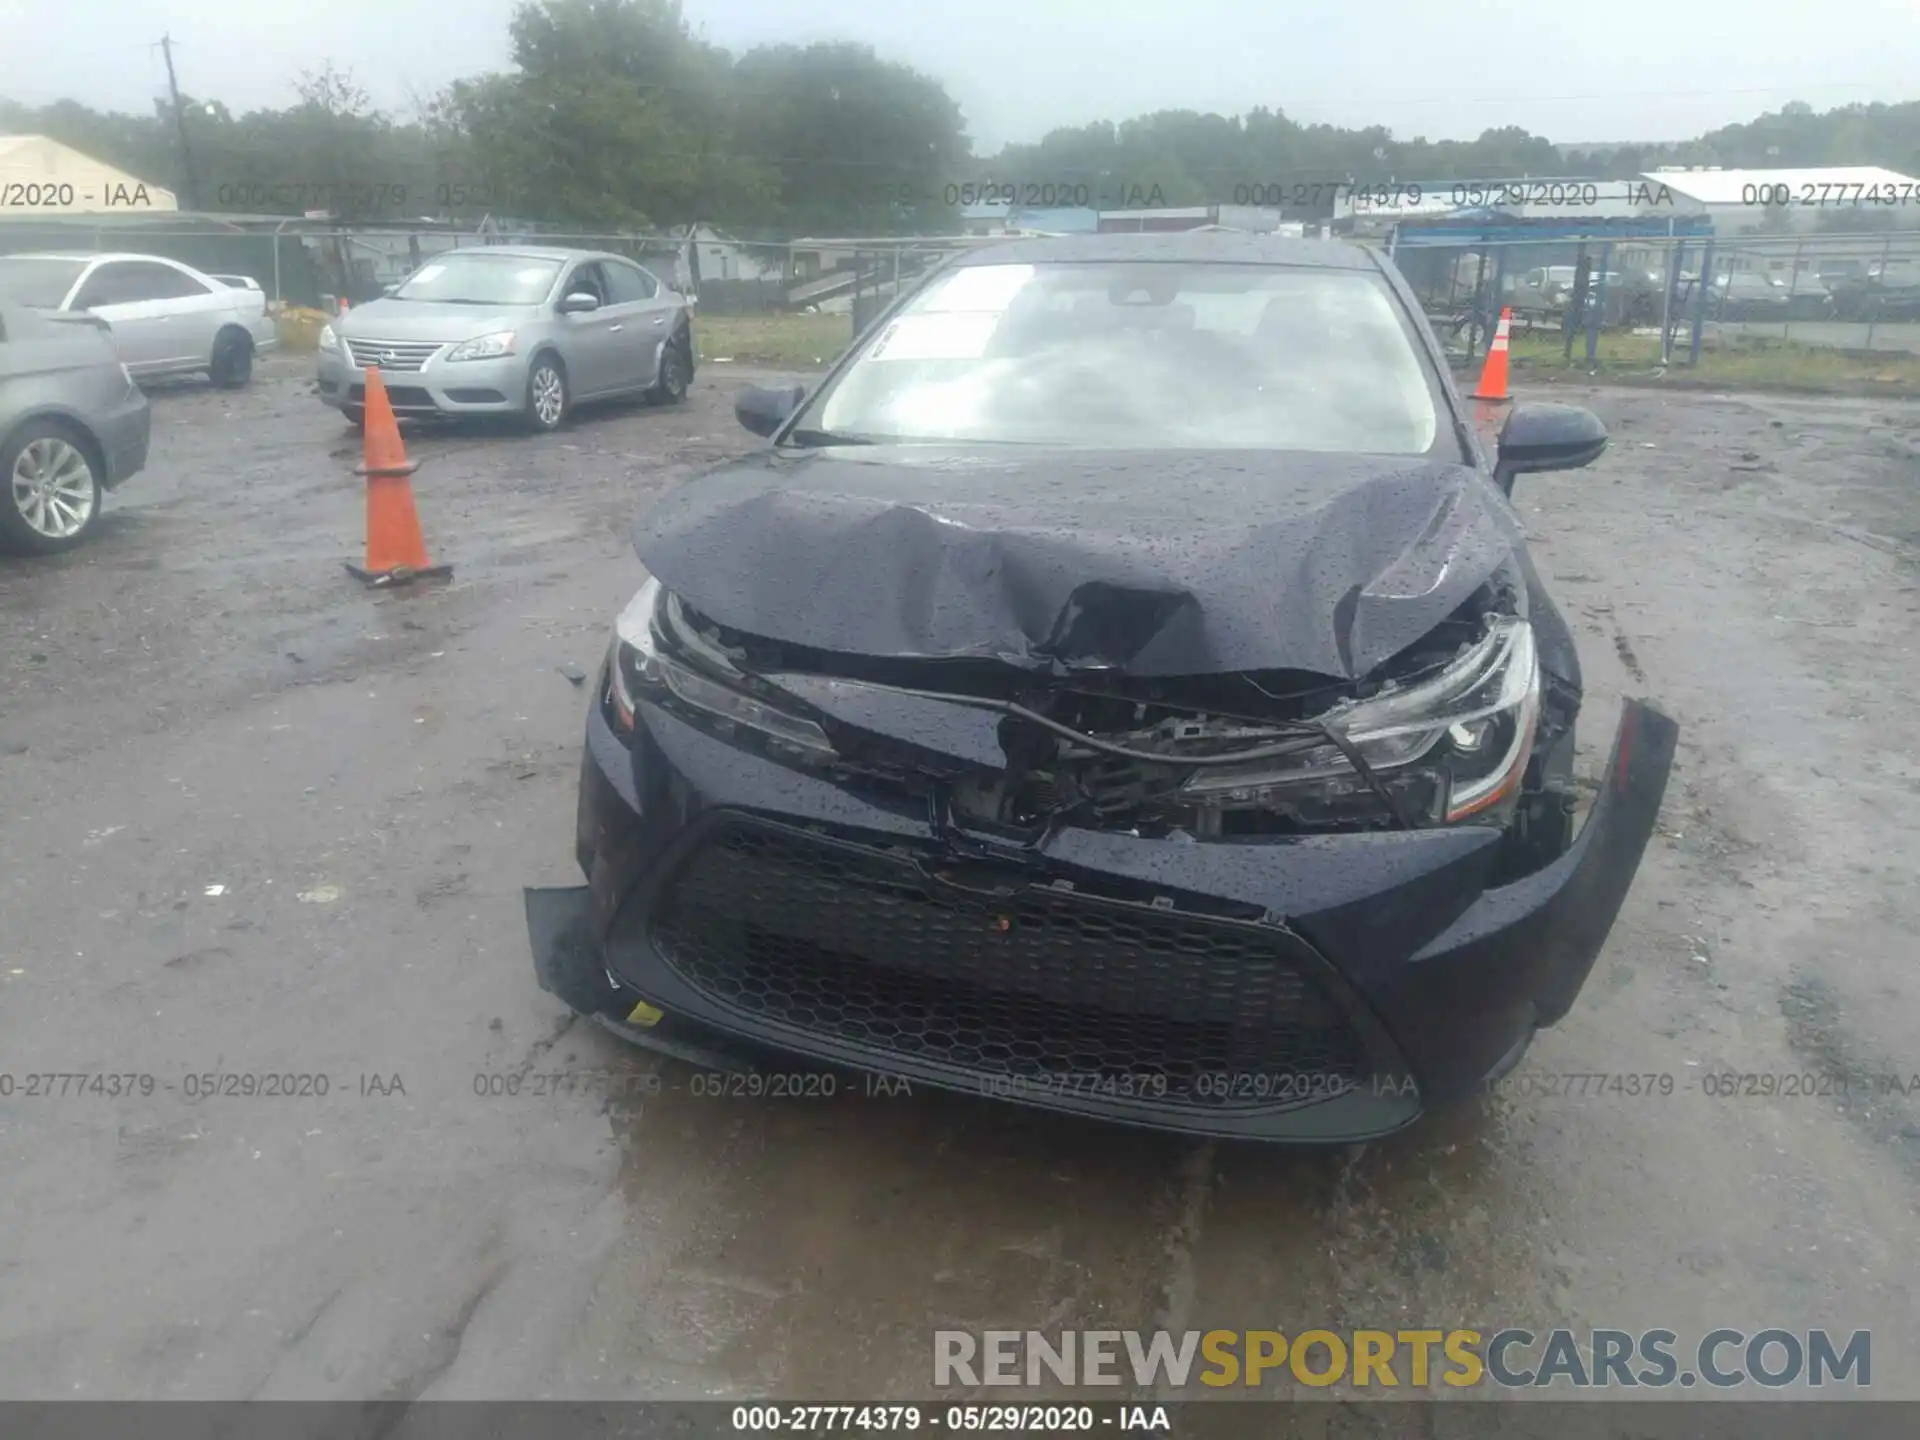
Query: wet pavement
(256, 821)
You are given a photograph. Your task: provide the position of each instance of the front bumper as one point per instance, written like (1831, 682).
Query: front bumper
(439, 387)
(124, 431)
(1326, 989)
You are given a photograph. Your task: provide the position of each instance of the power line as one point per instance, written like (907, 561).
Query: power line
(180, 120)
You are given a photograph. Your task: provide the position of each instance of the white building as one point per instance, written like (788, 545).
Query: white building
(1784, 201)
(1739, 202)
(41, 177)
(724, 258)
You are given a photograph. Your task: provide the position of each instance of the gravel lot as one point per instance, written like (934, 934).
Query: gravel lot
(253, 819)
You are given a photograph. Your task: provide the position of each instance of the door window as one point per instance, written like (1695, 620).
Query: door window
(125, 282)
(629, 283)
(587, 278)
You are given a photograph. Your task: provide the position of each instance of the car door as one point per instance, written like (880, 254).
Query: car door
(590, 340)
(108, 290)
(647, 307)
(200, 308)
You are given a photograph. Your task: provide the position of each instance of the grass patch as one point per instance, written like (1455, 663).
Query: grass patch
(1541, 351)
(784, 342)
(1750, 360)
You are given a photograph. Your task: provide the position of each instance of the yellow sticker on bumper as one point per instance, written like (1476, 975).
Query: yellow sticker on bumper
(645, 1015)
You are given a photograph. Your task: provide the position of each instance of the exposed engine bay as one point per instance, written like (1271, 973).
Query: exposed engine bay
(1466, 726)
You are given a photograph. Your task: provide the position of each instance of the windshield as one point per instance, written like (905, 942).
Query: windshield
(1142, 356)
(478, 278)
(45, 283)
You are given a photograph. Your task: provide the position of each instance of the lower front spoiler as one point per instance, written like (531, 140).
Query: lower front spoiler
(566, 961)
(124, 436)
(569, 966)
(1448, 1005)
(487, 388)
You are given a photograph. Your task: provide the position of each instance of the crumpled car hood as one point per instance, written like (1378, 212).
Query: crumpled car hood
(1161, 563)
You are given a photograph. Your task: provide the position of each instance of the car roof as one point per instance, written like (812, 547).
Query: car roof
(86, 255)
(529, 252)
(1195, 247)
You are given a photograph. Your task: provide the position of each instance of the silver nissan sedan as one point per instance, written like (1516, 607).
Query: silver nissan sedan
(512, 330)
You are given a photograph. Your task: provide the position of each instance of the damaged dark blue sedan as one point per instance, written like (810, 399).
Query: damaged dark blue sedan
(1121, 687)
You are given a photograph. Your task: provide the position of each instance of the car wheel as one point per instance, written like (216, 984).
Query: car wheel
(547, 398)
(52, 494)
(356, 417)
(232, 360)
(671, 386)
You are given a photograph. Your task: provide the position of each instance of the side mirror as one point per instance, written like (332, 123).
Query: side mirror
(764, 411)
(579, 303)
(1547, 437)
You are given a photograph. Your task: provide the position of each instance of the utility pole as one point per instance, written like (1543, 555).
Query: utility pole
(180, 120)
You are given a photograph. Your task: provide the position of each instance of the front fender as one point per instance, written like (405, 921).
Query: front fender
(1553, 923)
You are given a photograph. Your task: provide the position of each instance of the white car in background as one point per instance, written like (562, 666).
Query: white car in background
(166, 318)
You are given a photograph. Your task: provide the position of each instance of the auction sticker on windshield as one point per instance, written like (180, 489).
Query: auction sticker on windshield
(948, 335)
(980, 287)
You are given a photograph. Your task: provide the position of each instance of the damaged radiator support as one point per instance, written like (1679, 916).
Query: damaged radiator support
(1215, 756)
(1114, 777)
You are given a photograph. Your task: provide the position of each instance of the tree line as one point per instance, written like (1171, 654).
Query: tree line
(617, 115)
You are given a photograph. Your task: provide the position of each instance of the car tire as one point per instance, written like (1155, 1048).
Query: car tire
(548, 400)
(52, 494)
(356, 417)
(232, 365)
(670, 388)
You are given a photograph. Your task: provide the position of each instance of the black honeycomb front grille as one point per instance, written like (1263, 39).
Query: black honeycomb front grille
(401, 397)
(870, 950)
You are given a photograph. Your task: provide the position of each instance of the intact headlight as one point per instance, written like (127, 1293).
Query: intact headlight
(646, 663)
(484, 347)
(1470, 729)
(328, 340)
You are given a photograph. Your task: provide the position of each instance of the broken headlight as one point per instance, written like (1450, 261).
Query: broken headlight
(656, 659)
(1460, 738)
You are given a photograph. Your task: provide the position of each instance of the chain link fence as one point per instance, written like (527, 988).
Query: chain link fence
(1597, 300)
(285, 267)
(1668, 300)
(797, 301)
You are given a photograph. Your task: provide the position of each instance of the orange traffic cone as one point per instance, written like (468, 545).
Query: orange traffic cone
(1487, 420)
(1493, 377)
(396, 551)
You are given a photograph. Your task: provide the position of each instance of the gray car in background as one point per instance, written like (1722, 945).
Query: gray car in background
(512, 330)
(72, 426)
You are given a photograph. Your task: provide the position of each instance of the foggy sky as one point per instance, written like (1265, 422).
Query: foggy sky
(1617, 70)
